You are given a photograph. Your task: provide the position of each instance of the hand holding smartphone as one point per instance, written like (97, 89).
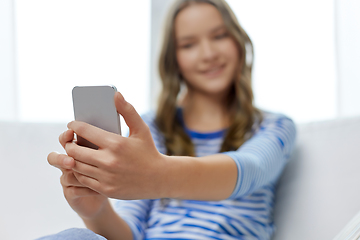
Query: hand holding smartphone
(95, 105)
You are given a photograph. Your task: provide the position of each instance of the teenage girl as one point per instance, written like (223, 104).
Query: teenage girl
(204, 166)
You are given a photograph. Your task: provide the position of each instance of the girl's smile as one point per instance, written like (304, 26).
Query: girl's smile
(213, 71)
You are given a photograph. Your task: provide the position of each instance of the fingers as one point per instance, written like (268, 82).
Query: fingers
(70, 183)
(131, 117)
(61, 161)
(65, 137)
(93, 134)
(83, 154)
(88, 182)
(68, 179)
(72, 186)
(80, 191)
(87, 170)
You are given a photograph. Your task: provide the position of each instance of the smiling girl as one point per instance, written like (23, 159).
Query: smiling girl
(205, 165)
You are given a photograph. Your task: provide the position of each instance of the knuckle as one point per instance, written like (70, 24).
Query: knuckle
(116, 143)
(69, 134)
(65, 137)
(70, 150)
(60, 158)
(112, 164)
(109, 190)
(128, 107)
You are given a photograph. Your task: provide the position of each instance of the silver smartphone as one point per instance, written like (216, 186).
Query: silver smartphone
(95, 105)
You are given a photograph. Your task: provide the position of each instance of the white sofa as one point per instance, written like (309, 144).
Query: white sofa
(317, 195)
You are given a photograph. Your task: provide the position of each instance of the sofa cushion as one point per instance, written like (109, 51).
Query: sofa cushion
(319, 190)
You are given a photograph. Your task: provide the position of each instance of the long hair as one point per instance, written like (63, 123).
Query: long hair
(241, 109)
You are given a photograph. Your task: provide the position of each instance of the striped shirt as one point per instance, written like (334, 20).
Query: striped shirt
(246, 214)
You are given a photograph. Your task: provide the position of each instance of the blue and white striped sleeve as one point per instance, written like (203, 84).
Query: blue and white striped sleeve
(136, 212)
(261, 159)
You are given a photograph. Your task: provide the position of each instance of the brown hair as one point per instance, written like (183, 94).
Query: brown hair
(243, 113)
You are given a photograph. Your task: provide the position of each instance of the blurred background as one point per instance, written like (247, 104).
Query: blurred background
(306, 65)
(306, 54)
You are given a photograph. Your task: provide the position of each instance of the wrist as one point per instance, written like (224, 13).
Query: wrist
(104, 211)
(162, 186)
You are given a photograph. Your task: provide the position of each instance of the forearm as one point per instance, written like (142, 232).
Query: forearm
(109, 225)
(208, 178)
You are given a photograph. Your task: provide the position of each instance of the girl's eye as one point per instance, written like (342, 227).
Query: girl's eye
(221, 36)
(186, 46)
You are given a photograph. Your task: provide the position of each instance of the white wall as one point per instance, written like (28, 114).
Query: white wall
(8, 101)
(348, 55)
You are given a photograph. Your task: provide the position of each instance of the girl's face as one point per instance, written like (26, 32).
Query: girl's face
(206, 53)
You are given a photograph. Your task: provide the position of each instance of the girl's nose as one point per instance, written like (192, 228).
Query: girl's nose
(208, 51)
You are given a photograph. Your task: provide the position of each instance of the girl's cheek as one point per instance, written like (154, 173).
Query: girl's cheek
(185, 61)
(232, 50)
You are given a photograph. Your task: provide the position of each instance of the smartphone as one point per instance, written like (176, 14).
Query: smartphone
(95, 105)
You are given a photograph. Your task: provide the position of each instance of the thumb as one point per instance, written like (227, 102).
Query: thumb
(131, 117)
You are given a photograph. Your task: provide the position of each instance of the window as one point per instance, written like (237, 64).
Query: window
(66, 43)
(294, 65)
(306, 54)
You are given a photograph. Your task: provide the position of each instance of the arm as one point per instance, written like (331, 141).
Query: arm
(132, 168)
(259, 161)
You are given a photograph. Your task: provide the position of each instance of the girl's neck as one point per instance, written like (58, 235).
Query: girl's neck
(204, 113)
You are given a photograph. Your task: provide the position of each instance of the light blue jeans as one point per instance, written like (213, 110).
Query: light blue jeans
(74, 234)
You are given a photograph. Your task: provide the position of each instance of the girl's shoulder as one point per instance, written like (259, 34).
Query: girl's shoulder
(273, 120)
(267, 117)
